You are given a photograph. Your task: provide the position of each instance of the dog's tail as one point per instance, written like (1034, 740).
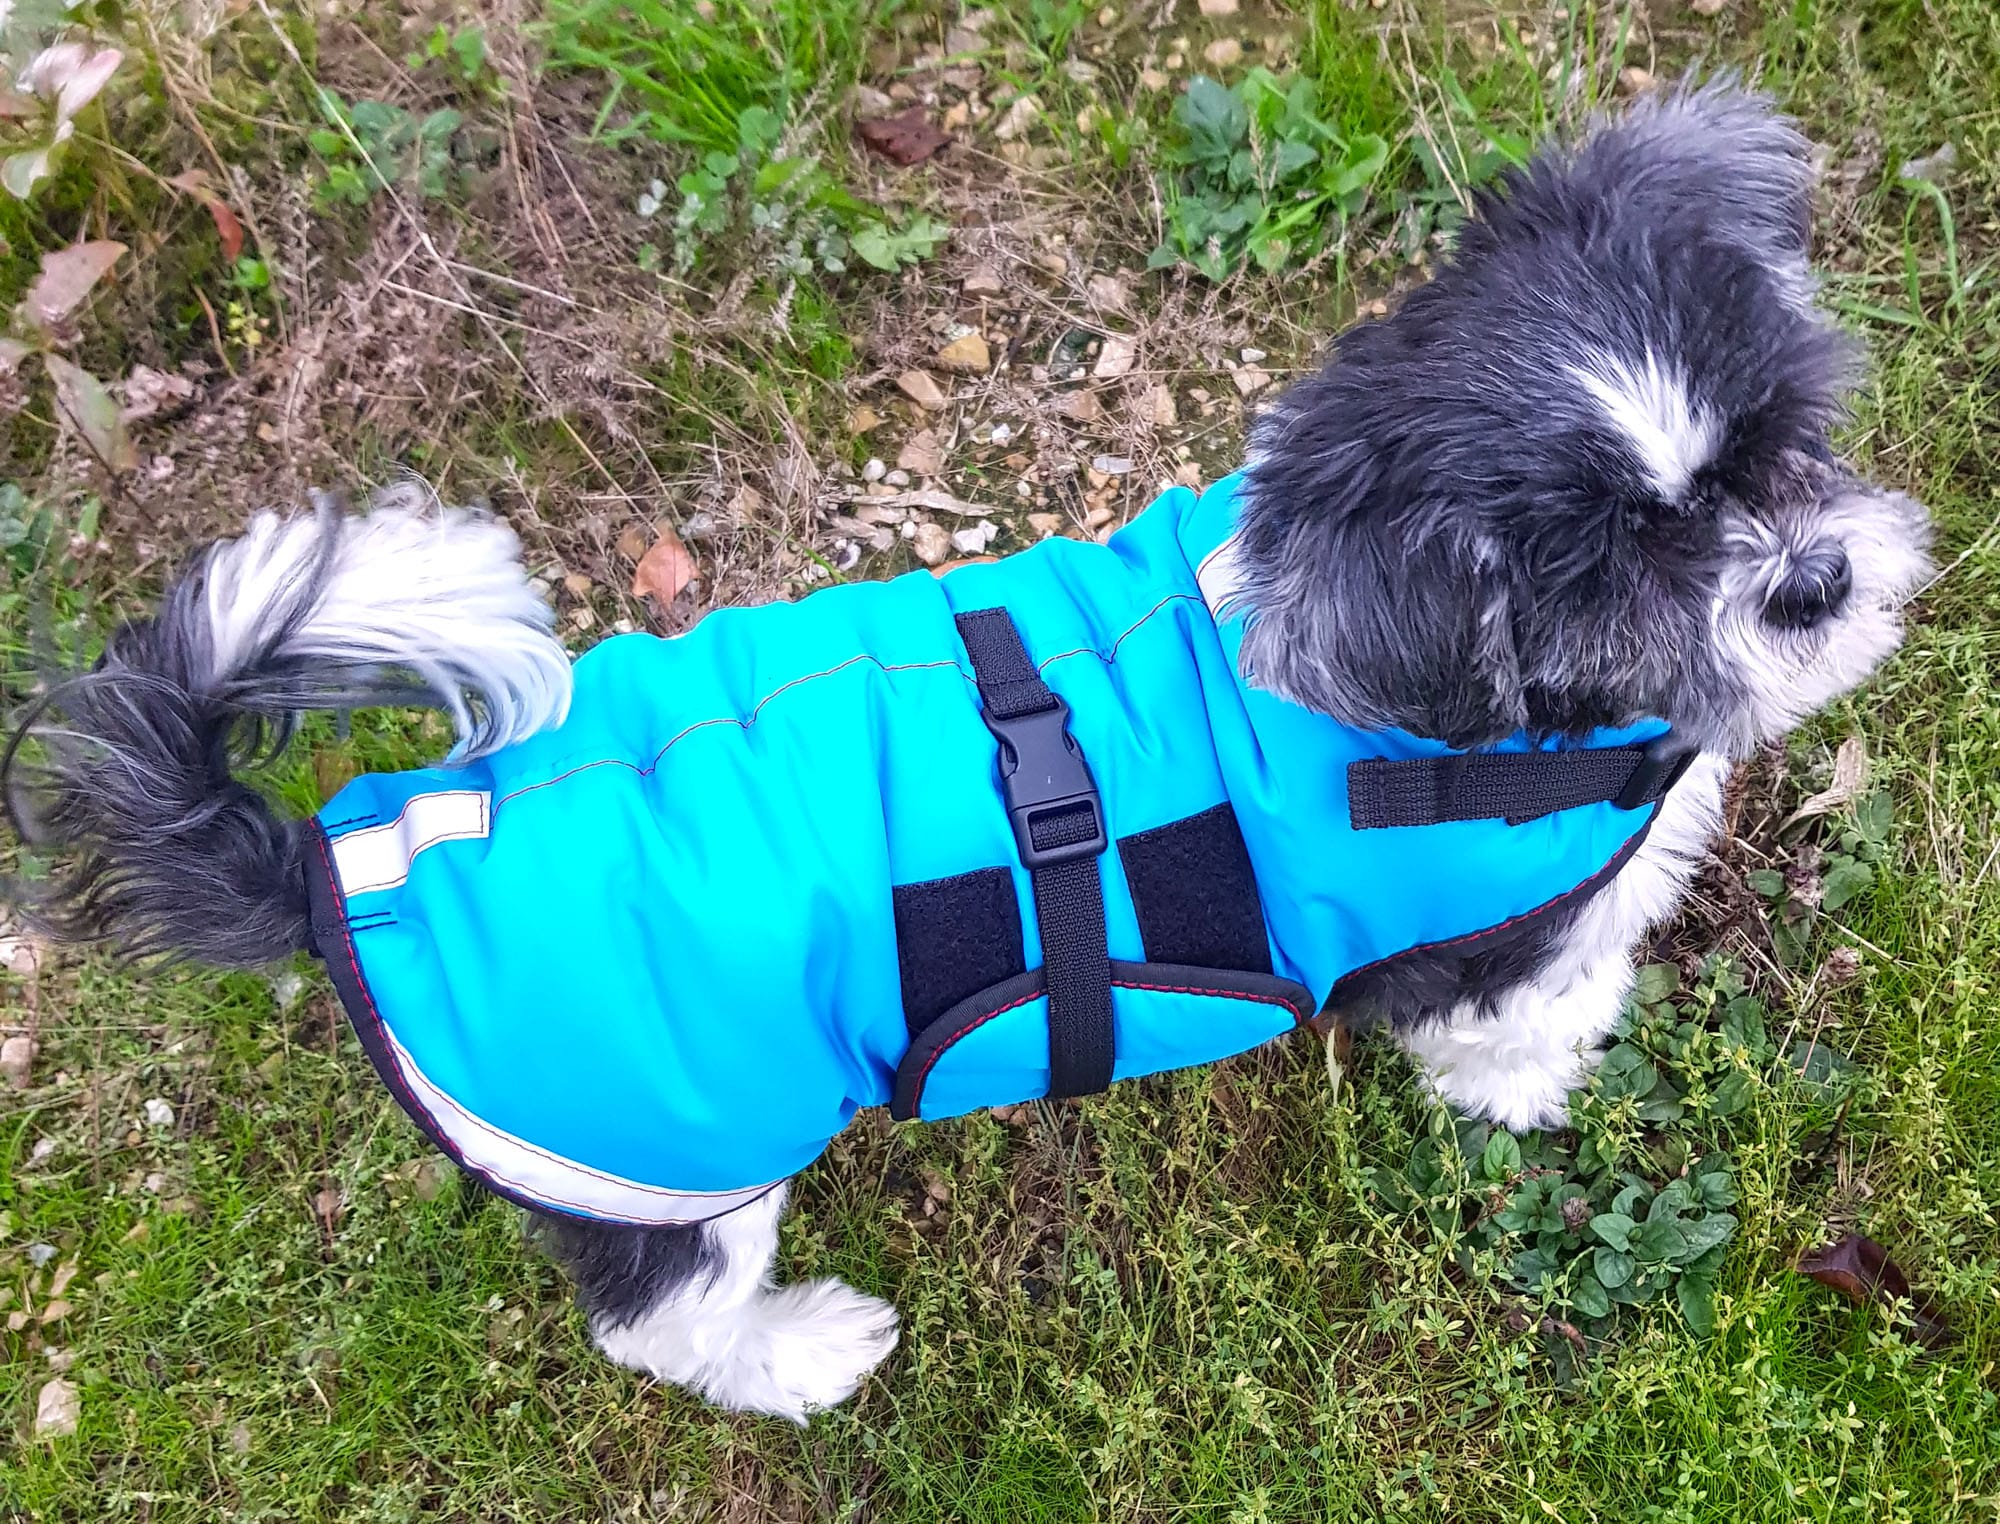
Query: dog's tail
(124, 774)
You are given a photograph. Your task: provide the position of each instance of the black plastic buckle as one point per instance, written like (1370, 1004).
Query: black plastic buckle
(1662, 761)
(1042, 773)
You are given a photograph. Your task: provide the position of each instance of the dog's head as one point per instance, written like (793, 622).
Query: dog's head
(1583, 475)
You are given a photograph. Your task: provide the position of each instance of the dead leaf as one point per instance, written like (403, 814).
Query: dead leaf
(17, 1062)
(1850, 774)
(906, 138)
(1862, 1270)
(632, 542)
(935, 499)
(1250, 378)
(664, 570)
(227, 226)
(922, 454)
(56, 1410)
(328, 1205)
(94, 411)
(148, 392)
(59, 1282)
(1018, 118)
(67, 277)
(985, 280)
(952, 566)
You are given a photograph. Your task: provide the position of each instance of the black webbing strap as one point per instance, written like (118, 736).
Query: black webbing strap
(1514, 786)
(1058, 823)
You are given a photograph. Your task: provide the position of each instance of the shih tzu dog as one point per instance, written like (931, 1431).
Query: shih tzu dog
(1424, 715)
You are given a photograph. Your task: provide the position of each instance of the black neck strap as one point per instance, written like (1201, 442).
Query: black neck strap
(1514, 786)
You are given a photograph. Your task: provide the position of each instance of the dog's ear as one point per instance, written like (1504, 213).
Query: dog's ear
(1371, 593)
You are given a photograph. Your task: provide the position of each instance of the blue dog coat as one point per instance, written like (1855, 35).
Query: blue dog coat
(643, 966)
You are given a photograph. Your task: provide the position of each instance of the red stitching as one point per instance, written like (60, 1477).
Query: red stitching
(924, 1074)
(1590, 885)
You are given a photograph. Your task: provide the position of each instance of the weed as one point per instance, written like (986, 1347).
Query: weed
(1635, 1209)
(370, 145)
(1259, 174)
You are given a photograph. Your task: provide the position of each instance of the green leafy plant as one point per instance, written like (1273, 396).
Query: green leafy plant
(461, 50)
(1830, 878)
(370, 145)
(1629, 1208)
(798, 218)
(1456, 152)
(1255, 173)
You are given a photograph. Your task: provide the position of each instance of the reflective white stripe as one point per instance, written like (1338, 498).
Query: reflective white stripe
(1220, 577)
(539, 1175)
(378, 857)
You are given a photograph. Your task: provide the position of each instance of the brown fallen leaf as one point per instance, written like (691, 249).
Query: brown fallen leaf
(227, 227)
(57, 1408)
(664, 570)
(1863, 1271)
(1850, 773)
(67, 277)
(906, 138)
(922, 454)
(935, 499)
(328, 1206)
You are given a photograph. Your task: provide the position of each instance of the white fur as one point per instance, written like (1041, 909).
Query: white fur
(1671, 437)
(413, 584)
(1788, 674)
(1516, 1063)
(745, 1343)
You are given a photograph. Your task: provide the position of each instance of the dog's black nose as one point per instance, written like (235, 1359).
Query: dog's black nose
(1814, 588)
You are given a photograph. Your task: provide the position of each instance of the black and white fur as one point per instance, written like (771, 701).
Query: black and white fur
(1580, 478)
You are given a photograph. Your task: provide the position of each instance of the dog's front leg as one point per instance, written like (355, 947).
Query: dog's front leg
(697, 1306)
(1514, 1056)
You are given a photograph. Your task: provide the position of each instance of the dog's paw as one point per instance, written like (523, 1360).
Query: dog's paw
(824, 1337)
(1520, 1095)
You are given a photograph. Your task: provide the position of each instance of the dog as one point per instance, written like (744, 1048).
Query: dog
(1425, 713)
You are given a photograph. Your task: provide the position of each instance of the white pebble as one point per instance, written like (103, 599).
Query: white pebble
(898, 478)
(1111, 465)
(1001, 433)
(159, 1113)
(875, 470)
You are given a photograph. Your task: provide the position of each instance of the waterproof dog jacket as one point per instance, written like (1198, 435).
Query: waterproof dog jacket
(645, 965)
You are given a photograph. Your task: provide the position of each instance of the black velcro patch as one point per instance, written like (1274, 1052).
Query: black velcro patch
(1196, 895)
(954, 937)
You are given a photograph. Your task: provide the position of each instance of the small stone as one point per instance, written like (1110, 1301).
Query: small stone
(921, 454)
(1252, 356)
(1055, 266)
(1044, 524)
(984, 281)
(1001, 434)
(1633, 80)
(56, 1409)
(1017, 118)
(1118, 356)
(875, 470)
(868, 101)
(582, 618)
(17, 1062)
(576, 584)
(862, 419)
(1153, 79)
(921, 387)
(1096, 480)
(973, 540)
(1224, 52)
(1097, 518)
(1707, 7)
(1219, 7)
(1111, 465)
(1078, 407)
(1249, 379)
(1160, 405)
(39, 1254)
(1176, 59)
(1199, 393)
(1107, 16)
(932, 544)
(159, 1112)
(961, 40)
(956, 116)
(1110, 293)
(898, 478)
(967, 354)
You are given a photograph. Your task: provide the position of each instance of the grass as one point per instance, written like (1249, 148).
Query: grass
(1182, 1300)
